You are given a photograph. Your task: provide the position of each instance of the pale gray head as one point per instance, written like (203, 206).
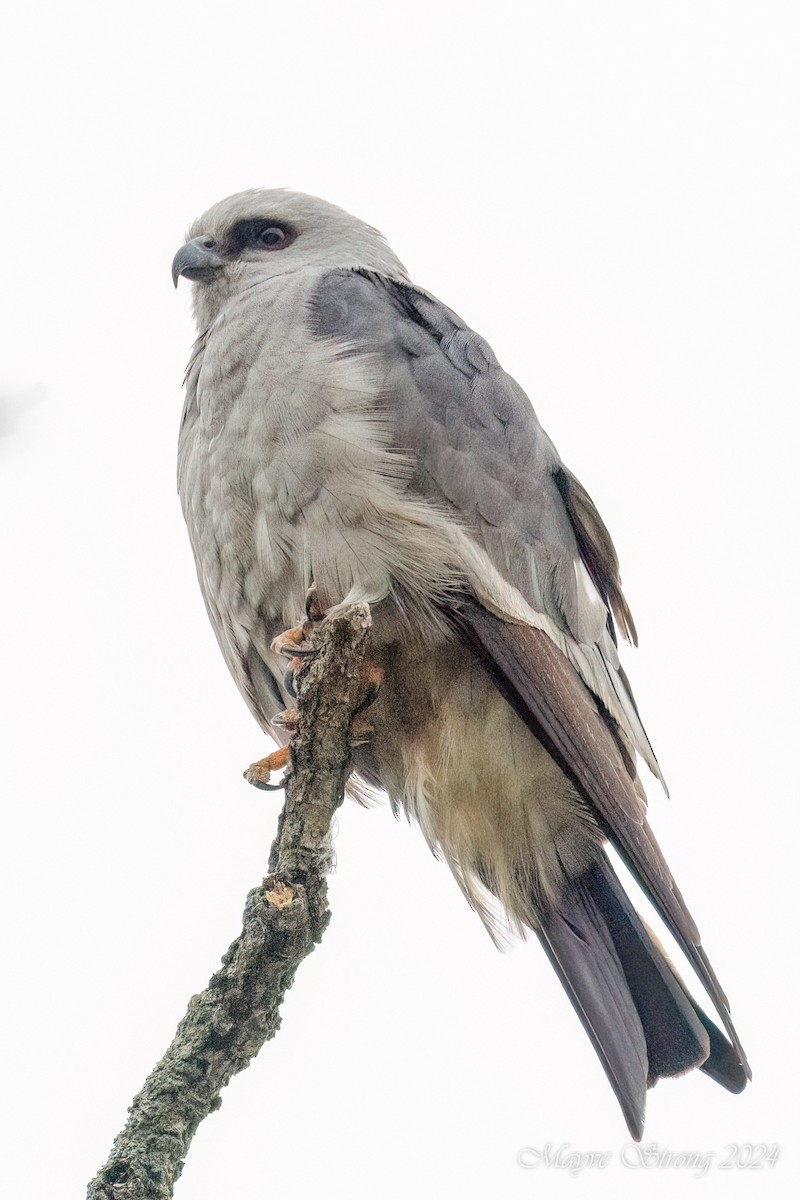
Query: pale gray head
(257, 235)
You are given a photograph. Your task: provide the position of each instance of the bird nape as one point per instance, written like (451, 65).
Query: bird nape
(343, 429)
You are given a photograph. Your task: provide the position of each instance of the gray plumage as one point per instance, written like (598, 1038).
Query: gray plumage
(342, 427)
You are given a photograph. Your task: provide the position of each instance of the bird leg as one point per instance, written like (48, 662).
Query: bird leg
(293, 643)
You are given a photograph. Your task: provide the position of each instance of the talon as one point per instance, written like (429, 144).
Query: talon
(294, 641)
(286, 719)
(291, 643)
(288, 678)
(258, 773)
(314, 610)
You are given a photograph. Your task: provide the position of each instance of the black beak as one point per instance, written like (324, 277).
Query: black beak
(197, 260)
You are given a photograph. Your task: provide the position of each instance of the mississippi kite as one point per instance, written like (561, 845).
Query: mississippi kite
(342, 428)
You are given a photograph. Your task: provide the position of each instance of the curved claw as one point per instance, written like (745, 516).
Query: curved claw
(291, 644)
(314, 610)
(258, 773)
(264, 787)
(288, 679)
(286, 719)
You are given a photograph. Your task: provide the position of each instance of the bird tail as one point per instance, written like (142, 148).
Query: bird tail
(642, 1021)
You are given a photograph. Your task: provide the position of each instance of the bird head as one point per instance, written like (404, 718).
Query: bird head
(256, 236)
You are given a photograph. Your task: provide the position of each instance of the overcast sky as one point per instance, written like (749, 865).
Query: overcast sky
(609, 192)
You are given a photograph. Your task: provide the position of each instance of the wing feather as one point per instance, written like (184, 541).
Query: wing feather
(524, 522)
(554, 702)
(543, 597)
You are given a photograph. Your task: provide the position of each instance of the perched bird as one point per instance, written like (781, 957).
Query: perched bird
(343, 429)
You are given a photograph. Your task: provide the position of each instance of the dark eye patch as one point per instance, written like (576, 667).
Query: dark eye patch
(260, 233)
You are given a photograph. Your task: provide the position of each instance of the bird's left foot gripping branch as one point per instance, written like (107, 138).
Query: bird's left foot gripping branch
(296, 645)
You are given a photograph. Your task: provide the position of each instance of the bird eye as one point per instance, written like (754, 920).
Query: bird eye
(272, 238)
(259, 233)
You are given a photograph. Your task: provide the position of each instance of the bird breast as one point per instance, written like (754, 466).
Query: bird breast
(288, 474)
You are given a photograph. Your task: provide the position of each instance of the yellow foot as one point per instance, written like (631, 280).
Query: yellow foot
(258, 773)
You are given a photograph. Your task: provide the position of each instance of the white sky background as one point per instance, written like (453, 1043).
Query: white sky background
(609, 192)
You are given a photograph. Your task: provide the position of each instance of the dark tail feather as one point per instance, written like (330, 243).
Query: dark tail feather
(640, 1018)
(723, 1064)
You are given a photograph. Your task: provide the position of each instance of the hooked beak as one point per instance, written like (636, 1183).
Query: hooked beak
(197, 260)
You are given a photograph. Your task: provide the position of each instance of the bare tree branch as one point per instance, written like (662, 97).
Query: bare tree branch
(227, 1024)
